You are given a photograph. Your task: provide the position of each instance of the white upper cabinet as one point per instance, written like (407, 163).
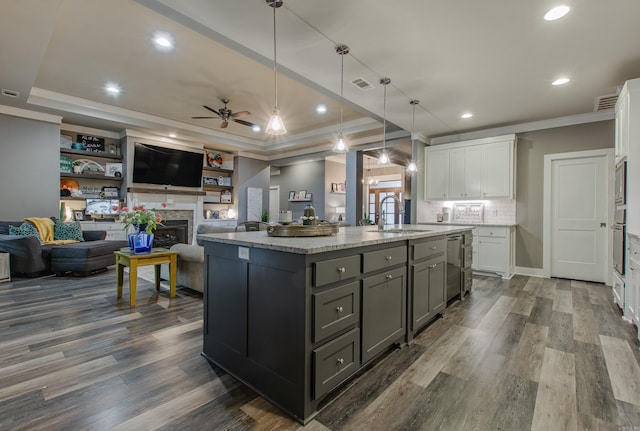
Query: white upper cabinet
(622, 125)
(437, 175)
(478, 169)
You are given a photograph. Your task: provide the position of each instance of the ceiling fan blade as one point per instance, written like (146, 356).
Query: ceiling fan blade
(211, 109)
(246, 123)
(240, 114)
(224, 124)
(201, 118)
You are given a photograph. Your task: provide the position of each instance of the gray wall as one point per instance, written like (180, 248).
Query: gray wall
(29, 168)
(250, 173)
(334, 173)
(532, 147)
(309, 176)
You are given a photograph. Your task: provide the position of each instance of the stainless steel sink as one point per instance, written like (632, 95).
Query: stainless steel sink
(399, 230)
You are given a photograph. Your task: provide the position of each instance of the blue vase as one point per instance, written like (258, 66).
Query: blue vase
(140, 242)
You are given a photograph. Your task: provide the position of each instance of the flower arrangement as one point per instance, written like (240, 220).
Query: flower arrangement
(139, 216)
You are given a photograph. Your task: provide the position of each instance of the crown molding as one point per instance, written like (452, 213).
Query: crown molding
(31, 115)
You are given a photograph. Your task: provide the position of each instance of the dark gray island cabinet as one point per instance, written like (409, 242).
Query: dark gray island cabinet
(293, 318)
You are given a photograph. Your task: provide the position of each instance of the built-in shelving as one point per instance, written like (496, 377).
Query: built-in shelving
(164, 191)
(91, 154)
(89, 176)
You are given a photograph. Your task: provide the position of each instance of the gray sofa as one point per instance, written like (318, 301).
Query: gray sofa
(31, 259)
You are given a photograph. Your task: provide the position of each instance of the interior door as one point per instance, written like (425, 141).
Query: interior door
(578, 218)
(274, 203)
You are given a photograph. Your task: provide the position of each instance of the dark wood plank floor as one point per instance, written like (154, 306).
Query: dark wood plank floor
(527, 353)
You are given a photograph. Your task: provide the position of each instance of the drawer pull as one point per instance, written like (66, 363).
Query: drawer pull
(341, 269)
(388, 257)
(340, 361)
(339, 309)
(389, 276)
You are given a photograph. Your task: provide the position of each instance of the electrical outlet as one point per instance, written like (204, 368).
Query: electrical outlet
(243, 253)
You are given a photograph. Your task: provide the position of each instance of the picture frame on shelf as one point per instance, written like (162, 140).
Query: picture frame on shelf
(308, 196)
(78, 215)
(113, 170)
(209, 181)
(296, 196)
(292, 195)
(111, 192)
(302, 194)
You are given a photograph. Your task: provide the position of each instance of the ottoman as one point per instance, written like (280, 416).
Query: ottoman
(84, 257)
(190, 266)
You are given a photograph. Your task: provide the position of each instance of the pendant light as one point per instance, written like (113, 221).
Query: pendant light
(413, 168)
(384, 157)
(275, 126)
(341, 145)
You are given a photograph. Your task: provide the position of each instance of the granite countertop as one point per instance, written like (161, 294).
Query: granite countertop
(470, 224)
(347, 237)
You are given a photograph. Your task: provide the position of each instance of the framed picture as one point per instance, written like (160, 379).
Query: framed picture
(302, 194)
(111, 192)
(292, 195)
(296, 196)
(113, 170)
(78, 215)
(308, 196)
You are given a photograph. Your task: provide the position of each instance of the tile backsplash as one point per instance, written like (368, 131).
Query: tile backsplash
(498, 211)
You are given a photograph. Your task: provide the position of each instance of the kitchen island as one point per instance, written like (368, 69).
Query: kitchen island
(293, 318)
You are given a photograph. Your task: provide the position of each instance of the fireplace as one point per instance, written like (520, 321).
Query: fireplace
(171, 232)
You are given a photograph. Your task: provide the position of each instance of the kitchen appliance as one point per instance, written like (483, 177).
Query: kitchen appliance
(618, 248)
(467, 258)
(621, 184)
(454, 266)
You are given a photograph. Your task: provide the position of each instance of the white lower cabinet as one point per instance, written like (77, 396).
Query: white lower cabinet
(115, 230)
(632, 288)
(494, 250)
(618, 290)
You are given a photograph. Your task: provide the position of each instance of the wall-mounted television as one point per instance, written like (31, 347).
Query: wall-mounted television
(166, 166)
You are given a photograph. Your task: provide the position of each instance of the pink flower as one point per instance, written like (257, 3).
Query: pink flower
(115, 207)
(164, 204)
(158, 218)
(125, 209)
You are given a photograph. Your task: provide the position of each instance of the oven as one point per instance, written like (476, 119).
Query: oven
(621, 184)
(618, 248)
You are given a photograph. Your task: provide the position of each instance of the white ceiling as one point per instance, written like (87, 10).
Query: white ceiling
(493, 58)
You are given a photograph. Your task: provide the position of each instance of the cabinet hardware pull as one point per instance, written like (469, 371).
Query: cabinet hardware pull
(389, 276)
(341, 269)
(339, 309)
(388, 257)
(340, 361)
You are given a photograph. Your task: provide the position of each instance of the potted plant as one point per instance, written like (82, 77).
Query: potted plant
(77, 167)
(144, 221)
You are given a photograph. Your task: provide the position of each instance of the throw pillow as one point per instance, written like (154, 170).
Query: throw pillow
(69, 230)
(26, 229)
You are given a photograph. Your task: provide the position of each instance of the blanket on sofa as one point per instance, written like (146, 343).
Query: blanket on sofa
(46, 229)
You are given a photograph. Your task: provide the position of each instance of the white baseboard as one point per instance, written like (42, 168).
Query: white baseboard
(531, 272)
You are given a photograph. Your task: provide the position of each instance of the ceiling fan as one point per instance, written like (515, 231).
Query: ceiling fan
(226, 115)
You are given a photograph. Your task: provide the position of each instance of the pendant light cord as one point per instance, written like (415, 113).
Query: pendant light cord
(341, 90)
(275, 74)
(384, 119)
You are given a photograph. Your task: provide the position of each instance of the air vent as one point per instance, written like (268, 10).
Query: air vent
(605, 102)
(362, 84)
(10, 93)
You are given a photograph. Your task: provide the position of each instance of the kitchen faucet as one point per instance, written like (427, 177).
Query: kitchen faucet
(381, 220)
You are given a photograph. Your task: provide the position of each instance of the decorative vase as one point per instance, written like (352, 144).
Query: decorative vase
(309, 216)
(140, 242)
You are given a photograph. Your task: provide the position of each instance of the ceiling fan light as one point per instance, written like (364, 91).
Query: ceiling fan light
(341, 145)
(275, 126)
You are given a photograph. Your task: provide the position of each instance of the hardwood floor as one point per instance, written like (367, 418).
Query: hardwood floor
(527, 353)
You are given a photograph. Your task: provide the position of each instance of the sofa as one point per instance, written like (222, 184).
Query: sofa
(29, 258)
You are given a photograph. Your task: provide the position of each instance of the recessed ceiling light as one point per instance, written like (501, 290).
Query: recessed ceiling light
(163, 41)
(466, 115)
(560, 81)
(172, 135)
(112, 89)
(321, 109)
(557, 12)
(256, 128)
